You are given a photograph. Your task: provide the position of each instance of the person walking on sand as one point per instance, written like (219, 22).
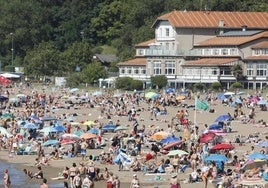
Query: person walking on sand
(174, 181)
(135, 183)
(7, 179)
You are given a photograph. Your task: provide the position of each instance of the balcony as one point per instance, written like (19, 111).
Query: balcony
(165, 52)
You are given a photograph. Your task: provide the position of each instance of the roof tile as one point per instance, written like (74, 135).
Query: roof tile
(134, 62)
(210, 62)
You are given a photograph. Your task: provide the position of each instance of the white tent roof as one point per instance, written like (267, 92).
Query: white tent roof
(9, 75)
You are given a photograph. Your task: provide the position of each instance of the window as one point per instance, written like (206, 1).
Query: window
(207, 52)
(129, 71)
(170, 68)
(249, 69)
(167, 32)
(141, 52)
(261, 69)
(157, 68)
(136, 71)
(216, 51)
(143, 71)
(123, 71)
(167, 46)
(224, 51)
(226, 71)
(233, 51)
(214, 72)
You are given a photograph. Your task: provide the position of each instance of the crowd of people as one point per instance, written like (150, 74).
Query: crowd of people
(135, 149)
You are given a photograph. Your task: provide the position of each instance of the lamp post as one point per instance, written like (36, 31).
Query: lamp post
(82, 33)
(12, 48)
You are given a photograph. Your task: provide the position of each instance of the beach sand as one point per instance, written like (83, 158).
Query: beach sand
(200, 117)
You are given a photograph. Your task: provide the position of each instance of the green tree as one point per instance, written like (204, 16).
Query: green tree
(123, 83)
(237, 71)
(93, 72)
(216, 86)
(44, 61)
(236, 85)
(199, 87)
(160, 81)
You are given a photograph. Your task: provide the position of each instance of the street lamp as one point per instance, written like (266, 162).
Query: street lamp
(82, 33)
(12, 48)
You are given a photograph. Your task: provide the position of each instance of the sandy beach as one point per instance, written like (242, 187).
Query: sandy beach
(86, 113)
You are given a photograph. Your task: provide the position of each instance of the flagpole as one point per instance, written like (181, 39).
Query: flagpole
(195, 108)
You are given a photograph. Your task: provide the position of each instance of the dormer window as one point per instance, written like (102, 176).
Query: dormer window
(167, 32)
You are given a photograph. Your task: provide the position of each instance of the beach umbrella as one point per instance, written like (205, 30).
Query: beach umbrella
(66, 142)
(51, 143)
(94, 131)
(217, 132)
(29, 126)
(6, 116)
(3, 98)
(151, 95)
(180, 97)
(97, 93)
(206, 137)
(4, 131)
(89, 123)
(108, 127)
(173, 144)
(60, 128)
(169, 139)
(215, 126)
(47, 130)
(223, 146)
(216, 158)
(78, 133)
(120, 128)
(263, 144)
(224, 117)
(48, 118)
(201, 105)
(257, 155)
(67, 136)
(160, 135)
(228, 94)
(13, 100)
(74, 90)
(252, 164)
(240, 93)
(262, 102)
(221, 96)
(170, 90)
(177, 152)
(88, 136)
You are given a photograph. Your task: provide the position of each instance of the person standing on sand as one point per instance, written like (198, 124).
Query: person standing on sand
(135, 182)
(7, 181)
(174, 181)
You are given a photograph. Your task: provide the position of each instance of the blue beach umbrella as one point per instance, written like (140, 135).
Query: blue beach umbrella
(78, 133)
(60, 128)
(257, 155)
(216, 158)
(221, 96)
(48, 130)
(215, 126)
(170, 90)
(263, 144)
(94, 131)
(29, 126)
(51, 142)
(224, 117)
(108, 127)
(169, 139)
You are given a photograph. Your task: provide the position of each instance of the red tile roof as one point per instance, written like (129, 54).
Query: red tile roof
(259, 57)
(134, 62)
(211, 19)
(231, 40)
(211, 62)
(146, 43)
(263, 44)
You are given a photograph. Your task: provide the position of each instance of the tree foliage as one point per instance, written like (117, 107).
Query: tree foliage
(199, 87)
(216, 86)
(159, 81)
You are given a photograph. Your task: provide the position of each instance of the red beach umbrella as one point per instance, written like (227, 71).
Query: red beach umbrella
(172, 144)
(223, 146)
(207, 137)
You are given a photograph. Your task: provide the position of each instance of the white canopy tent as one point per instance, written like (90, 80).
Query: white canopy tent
(10, 75)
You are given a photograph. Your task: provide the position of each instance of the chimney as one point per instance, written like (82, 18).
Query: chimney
(221, 26)
(244, 27)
